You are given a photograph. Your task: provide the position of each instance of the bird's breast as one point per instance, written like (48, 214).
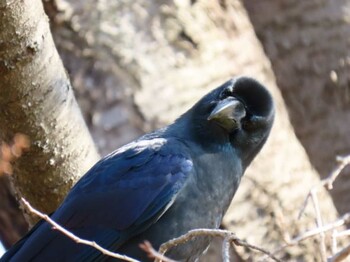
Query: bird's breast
(202, 202)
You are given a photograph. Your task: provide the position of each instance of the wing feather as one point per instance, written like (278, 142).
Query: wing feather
(121, 196)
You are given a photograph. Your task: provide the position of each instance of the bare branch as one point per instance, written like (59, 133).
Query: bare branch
(74, 237)
(316, 231)
(225, 234)
(321, 229)
(319, 224)
(341, 255)
(343, 233)
(226, 250)
(152, 253)
(343, 161)
(334, 246)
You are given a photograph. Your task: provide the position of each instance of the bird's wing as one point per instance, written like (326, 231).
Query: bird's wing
(128, 187)
(127, 191)
(18, 245)
(122, 195)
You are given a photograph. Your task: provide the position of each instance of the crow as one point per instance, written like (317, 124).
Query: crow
(160, 186)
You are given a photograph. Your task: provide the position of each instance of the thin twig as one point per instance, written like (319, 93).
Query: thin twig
(152, 253)
(74, 237)
(319, 224)
(341, 255)
(334, 241)
(226, 250)
(225, 234)
(343, 233)
(313, 232)
(343, 161)
(327, 183)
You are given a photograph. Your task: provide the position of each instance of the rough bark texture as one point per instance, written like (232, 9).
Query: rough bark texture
(308, 44)
(139, 64)
(36, 99)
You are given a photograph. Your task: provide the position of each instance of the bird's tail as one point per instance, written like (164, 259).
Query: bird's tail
(8, 256)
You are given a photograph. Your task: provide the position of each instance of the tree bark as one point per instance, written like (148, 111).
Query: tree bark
(160, 57)
(308, 44)
(37, 100)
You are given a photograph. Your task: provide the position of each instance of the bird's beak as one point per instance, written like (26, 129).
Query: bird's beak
(228, 113)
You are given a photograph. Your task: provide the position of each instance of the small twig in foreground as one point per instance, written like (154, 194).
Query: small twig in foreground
(343, 161)
(225, 234)
(334, 246)
(343, 233)
(341, 255)
(226, 250)
(319, 224)
(74, 237)
(344, 219)
(321, 229)
(152, 253)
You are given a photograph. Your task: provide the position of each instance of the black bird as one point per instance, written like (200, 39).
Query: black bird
(163, 184)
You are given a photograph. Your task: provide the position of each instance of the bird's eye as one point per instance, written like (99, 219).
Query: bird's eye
(252, 123)
(247, 125)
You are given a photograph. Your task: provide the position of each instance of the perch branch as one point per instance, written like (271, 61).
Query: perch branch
(152, 253)
(227, 235)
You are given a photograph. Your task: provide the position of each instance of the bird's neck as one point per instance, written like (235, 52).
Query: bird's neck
(219, 175)
(204, 133)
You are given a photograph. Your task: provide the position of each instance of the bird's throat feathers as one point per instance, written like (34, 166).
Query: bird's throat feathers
(203, 132)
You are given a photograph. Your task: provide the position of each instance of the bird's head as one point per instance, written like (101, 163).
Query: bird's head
(239, 112)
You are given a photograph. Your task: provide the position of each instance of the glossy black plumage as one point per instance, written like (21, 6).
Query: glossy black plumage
(165, 183)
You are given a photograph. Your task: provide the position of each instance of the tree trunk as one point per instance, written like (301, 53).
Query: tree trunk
(156, 58)
(37, 100)
(308, 44)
